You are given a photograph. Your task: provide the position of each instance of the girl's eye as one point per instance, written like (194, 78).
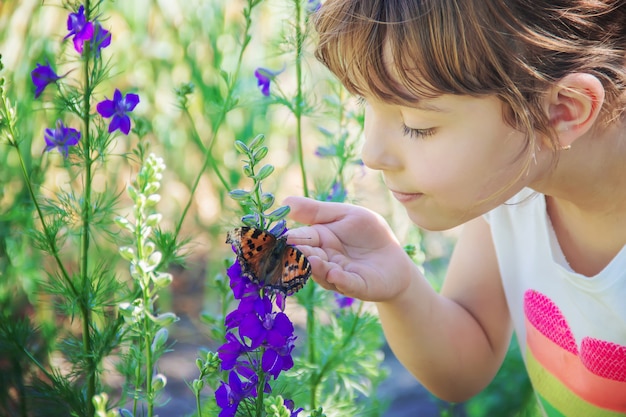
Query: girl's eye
(360, 101)
(417, 133)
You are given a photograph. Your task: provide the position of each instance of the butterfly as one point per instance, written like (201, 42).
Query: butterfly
(269, 260)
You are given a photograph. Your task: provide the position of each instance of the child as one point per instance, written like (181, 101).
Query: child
(507, 116)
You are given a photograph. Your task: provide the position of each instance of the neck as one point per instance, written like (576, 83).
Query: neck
(591, 176)
(586, 199)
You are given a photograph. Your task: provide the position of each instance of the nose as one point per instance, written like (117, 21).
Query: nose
(378, 149)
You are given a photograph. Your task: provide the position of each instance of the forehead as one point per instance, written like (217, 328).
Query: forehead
(396, 81)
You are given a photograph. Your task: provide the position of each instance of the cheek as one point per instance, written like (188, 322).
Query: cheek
(472, 167)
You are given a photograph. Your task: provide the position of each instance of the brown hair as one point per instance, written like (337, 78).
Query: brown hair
(513, 49)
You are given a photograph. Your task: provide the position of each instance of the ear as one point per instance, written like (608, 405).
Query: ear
(574, 104)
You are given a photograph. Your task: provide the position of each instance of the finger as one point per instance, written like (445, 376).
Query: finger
(303, 236)
(333, 277)
(309, 211)
(320, 269)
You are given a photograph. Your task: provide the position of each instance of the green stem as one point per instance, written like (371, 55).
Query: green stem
(260, 390)
(85, 234)
(147, 333)
(148, 343)
(137, 385)
(311, 336)
(198, 405)
(299, 98)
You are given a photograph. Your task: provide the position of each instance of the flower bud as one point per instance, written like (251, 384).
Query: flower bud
(153, 220)
(127, 253)
(154, 260)
(125, 224)
(257, 141)
(260, 153)
(152, 187)
(132, 192)
(165, 319)
(159, 339)
(264, 172)
(148, 248)
(241, 147)
(279, 213)
(153, 200)
(197, 385)
(158, 382)
(162, 279)
(239, 195)
(100, 401)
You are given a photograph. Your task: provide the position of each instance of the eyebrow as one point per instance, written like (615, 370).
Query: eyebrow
(419, 104)
(422, 105)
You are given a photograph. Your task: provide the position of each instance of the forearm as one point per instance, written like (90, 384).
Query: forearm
(438, 341)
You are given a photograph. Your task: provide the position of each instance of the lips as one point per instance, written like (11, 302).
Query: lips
(405, 197)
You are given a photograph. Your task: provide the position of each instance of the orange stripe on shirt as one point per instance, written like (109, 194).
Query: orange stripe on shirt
(556, 399)
(568, 368)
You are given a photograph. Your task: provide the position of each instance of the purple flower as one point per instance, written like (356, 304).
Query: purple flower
(228, 396)
(80, 28)
(117, 108)
(343, 301)
(42, 76)
(276, 360)
(240, 284)
(266, 327)
(264, 77)
(101, 39)
(230, 351)
(61, 138)
(326, 151)
(290, 405)
(337, 193)
(313, 5)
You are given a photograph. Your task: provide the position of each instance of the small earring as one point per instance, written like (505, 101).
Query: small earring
(565, 148)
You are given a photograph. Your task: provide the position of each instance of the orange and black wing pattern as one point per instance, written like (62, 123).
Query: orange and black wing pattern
(269, 260)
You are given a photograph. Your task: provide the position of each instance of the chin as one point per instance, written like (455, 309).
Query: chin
(437, 222)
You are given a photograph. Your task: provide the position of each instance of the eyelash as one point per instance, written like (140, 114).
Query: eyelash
(412, 133)
(417, 133)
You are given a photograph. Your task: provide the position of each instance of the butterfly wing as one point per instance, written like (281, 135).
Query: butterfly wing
(254, 251)
(269, 260)
(293, 273)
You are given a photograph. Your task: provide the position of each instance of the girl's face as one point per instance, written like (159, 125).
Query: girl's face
(447, 159)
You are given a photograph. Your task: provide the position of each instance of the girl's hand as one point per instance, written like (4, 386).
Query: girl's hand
(352, 250)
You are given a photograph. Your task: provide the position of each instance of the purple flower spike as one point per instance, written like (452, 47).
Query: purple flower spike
(61, 138)
(117, 108)
(42, 76)
(101, 39)
(80, 28)
(264, 78)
